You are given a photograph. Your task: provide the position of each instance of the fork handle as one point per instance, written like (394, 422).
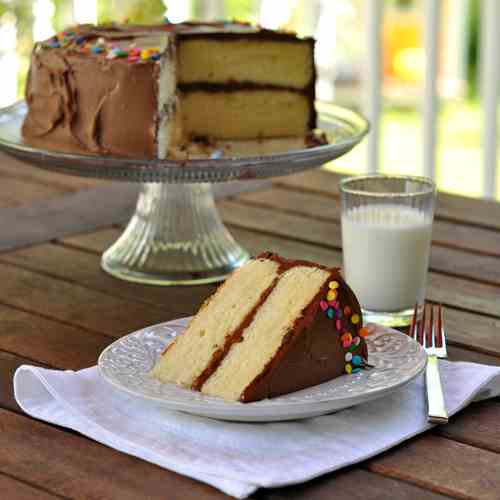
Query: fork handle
(435, 400)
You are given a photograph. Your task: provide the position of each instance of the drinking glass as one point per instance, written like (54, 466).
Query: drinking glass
(386, 239)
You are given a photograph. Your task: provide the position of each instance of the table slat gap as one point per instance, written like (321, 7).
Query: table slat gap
(55, 319)
(442, 465)
(475, 443)
(24, 489)
(70, 281)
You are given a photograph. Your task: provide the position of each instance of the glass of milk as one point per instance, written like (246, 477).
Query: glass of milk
(386, 240)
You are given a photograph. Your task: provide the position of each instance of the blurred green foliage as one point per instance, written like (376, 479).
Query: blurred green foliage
(136, 11)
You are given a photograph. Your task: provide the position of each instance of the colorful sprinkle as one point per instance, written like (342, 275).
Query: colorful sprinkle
(333, 303)
(79, 41)
(356, 360)
(330, 313)
(331, 295)
(346, 344)
(353, 347)
(347, 310)
(356, 370)
(324, 305)
(333, 285)
(363, 332)
(346, 337)
(348, 368)
(357, 340)
(355, 319)
(339, 313)
(348, 356)
(338, 325)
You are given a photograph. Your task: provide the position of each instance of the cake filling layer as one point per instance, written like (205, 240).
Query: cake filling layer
(262, 339)
(285, 64)
(245, 114)
(215, 323)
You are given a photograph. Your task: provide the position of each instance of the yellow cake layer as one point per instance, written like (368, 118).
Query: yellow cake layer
(261, 340)
(244, 114)
(206, 333)
(287, 64)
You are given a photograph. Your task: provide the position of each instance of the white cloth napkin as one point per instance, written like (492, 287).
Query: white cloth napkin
(238, 458)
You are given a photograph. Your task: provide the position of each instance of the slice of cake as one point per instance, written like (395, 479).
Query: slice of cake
(275, 326)
(150, 91)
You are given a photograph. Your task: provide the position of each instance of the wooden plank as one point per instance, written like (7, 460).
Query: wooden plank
(355, 484)
(17, 192)
(76, 305)
(461, 354)
(445, 233)
(479, 212)
(66, 464)
(456, 262)
(463, 293)
(477, 426)
(456, 292)
(76, 266)
(443, 466)
(13, 489)
(65, 215)
(10, 167)
(95, 241)
(49, 342)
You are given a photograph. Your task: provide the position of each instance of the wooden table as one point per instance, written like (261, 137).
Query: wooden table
(58, 309)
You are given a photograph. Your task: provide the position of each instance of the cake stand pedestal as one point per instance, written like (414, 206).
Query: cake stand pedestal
(176, 236)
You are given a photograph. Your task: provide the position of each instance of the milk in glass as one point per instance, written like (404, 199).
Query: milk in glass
(386, 254)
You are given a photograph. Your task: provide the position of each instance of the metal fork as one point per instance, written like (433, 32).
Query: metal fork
(430, 334)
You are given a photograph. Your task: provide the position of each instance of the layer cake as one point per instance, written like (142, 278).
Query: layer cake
(150, 91)
(275, 326)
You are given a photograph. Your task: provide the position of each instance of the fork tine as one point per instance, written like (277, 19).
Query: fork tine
(430, 327)
(421, 328)
(439, 327)
(411, 331)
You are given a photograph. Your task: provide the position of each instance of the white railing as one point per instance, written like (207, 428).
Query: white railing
(490, 84)
(430, 97)
(372, 80)
(489, 77)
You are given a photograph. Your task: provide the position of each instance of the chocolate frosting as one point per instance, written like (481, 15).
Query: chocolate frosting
(88, 104)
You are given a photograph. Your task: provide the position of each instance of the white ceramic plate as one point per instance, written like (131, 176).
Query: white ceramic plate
(126, 365)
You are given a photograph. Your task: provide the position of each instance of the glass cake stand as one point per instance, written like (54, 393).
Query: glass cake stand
(176, 236)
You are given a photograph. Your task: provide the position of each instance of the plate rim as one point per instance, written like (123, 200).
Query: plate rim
(227, 405)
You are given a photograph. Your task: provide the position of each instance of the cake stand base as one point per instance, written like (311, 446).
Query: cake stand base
(176, 237)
